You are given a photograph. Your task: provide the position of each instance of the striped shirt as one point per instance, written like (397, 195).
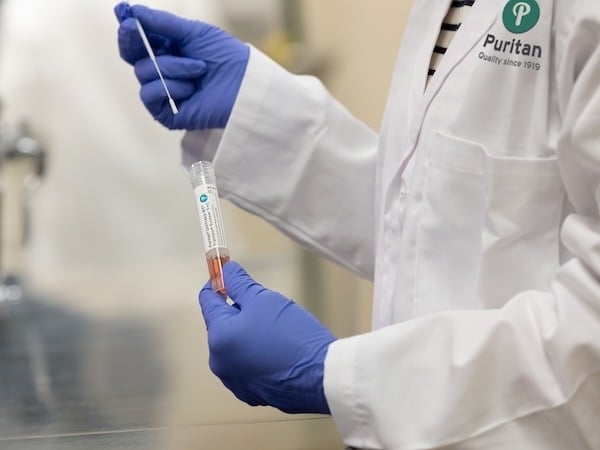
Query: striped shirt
(452, 22)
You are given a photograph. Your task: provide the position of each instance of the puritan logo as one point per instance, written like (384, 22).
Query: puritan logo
(520, 16)
(510, 52)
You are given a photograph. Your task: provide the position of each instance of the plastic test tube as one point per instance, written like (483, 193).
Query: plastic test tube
(202, 176)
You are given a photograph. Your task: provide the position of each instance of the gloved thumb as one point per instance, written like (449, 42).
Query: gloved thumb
(214, 307)
(122, 11)
(240, 286)
(162, 22)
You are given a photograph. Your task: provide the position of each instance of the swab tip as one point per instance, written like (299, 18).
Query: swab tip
(173, 106)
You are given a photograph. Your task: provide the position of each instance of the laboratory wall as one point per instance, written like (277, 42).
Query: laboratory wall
(105, 240)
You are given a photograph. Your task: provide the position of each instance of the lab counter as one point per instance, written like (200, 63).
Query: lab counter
(76, 379)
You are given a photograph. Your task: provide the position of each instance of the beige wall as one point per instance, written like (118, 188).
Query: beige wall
(360, 40)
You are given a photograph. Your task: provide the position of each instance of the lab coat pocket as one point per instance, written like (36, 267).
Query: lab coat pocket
(520, 236)
(488, 227)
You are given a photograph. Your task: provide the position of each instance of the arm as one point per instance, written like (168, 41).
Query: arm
(296, 157)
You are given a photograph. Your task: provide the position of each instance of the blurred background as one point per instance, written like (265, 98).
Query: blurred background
(102, 344)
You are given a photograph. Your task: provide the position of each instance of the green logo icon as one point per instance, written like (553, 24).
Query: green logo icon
(520, 16)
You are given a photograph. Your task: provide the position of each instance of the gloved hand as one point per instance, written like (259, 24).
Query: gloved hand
(266, 349)
(203, 66)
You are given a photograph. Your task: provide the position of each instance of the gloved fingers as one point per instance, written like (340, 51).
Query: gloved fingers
(163, 23)
(240, 286)
(156, 101)
(154, 96)
(173, 67)
(215, 309)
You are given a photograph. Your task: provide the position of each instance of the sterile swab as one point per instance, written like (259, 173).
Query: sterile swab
(153, 58)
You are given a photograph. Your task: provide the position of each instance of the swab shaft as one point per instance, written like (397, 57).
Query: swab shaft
(153, 58)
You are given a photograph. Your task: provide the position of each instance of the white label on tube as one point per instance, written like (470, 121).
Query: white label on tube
(207, 202)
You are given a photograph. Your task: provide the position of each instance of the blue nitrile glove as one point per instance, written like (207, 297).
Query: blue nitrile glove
(266, 349)
(203, 66)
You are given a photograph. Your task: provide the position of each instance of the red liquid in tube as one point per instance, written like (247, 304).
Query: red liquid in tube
(215, 270)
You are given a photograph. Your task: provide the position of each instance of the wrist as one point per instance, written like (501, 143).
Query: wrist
(321, 404)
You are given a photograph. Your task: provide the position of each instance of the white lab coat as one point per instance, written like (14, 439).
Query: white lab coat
(477, 212)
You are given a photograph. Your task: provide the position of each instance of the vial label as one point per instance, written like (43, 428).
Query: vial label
(207, 203)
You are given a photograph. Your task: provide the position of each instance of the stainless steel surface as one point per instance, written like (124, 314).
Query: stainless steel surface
(129, 378)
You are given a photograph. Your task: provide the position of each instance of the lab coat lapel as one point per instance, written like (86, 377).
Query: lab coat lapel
(417, 47)
(423, 19)
(478, 21)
